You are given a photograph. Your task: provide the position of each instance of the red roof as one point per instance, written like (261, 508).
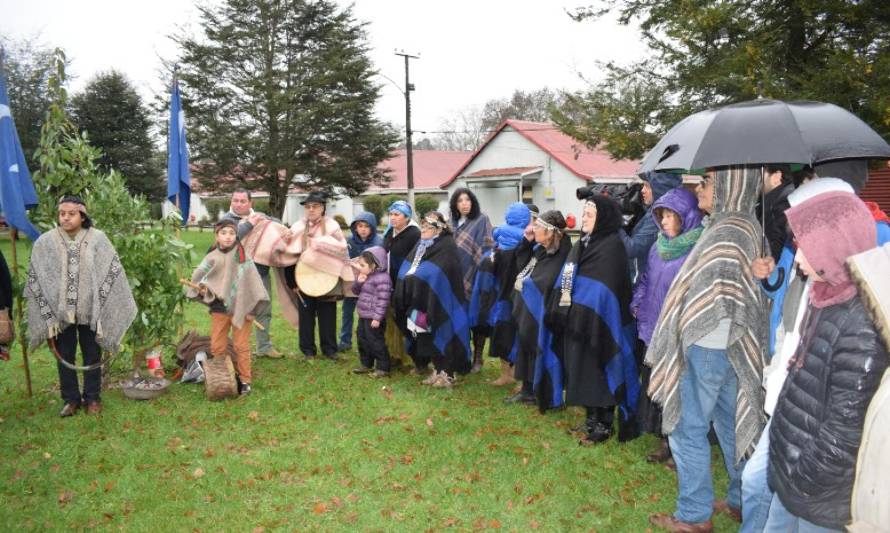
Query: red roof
(585, 163)
(510, 171)
(432, 168)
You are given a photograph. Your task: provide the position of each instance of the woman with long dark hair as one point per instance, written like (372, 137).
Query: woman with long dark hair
(473, 236)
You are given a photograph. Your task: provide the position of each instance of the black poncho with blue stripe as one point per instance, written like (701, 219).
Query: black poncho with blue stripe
(435, 287)
(590, 304)
(491, 304)
(536, 361)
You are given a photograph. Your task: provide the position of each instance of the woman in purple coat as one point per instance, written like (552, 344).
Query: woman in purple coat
(677, 215)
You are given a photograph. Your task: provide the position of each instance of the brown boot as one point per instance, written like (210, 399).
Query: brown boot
(478, 350)
(506, 376)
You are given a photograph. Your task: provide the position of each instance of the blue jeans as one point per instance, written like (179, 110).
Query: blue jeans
(347, 321)
(782, 521)
(707, 394)
(264, 318)
(756, 496)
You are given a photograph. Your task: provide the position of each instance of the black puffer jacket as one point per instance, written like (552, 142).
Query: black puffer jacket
(817, 424)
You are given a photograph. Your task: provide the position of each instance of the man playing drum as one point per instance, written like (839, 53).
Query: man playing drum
(321, 277)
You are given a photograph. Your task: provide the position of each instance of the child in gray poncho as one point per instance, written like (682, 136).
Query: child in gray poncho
(229, 283)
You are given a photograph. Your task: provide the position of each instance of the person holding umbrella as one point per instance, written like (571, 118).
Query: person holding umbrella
(707, 349)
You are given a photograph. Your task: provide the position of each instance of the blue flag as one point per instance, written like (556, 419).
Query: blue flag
(16, 189)
(178, 176)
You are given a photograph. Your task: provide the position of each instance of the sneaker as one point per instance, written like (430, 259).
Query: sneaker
(362, 370)
(432, 378)
(271, 354)
(444, 382)
(380, 374)
(244, 389)
(332, 356)
(343, 347)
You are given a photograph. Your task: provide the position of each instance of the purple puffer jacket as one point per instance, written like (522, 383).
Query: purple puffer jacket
(374, 293)
(650, 292)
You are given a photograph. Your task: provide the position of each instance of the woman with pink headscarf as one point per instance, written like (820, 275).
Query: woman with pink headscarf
(817, 424)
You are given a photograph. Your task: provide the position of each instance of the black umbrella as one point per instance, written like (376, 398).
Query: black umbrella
(765, 131)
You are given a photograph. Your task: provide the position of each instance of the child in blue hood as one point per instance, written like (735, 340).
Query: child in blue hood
(364, 236)
(490, 303)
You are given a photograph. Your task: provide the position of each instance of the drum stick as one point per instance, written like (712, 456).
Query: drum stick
(198, 287)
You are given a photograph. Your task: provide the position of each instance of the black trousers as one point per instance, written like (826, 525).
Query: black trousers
(66, 343)
(325, 312)
(372, 345)
(423, 351)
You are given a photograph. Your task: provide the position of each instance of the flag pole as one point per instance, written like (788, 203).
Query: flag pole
(19, 313)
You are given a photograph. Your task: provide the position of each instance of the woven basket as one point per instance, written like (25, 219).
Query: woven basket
(219, 378)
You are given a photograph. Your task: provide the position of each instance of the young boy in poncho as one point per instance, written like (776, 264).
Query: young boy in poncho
(229, 283)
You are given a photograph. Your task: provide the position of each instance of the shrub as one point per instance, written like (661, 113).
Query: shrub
(425, 203)
(152, 258)
(341, 220)
(216, 207)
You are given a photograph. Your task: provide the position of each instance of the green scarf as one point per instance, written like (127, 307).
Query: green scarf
(669, 249)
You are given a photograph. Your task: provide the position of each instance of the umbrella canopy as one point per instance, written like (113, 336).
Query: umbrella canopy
(765, 131)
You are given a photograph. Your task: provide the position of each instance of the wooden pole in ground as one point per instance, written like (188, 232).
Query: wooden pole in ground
(19, 313)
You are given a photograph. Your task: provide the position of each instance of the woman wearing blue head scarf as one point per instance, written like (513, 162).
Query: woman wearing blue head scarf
(398, 240)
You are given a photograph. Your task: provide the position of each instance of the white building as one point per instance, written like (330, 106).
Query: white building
(536, 163)
(432, 168)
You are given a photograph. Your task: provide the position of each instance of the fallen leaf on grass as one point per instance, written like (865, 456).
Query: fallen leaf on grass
(259, 529)
(253, 415)
(320, 508)
(47, 455)
(199, 472)
(452, 522)
(429, 422)
(65, 497)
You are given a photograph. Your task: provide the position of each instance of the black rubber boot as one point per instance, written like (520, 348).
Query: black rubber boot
(478, 350)
(525, 395)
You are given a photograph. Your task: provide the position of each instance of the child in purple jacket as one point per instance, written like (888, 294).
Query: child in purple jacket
(679, 221)
(374, 288)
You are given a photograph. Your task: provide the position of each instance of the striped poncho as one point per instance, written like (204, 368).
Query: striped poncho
(716, 283)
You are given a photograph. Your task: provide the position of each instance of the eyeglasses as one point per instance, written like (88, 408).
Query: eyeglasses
(707, 180)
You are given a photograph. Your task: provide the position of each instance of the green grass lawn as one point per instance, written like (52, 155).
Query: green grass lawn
(313, 448)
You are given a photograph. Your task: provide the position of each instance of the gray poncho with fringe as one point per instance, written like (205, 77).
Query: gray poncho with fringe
(78, 282)
(716, 283)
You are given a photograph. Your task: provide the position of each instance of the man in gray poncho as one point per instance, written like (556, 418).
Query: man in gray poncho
(77, 290)
(706, 352)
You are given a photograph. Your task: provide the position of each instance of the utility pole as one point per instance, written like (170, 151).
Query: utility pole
(410, 159)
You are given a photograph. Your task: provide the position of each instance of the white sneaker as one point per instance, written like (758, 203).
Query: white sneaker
(432, 378)
(444, 382)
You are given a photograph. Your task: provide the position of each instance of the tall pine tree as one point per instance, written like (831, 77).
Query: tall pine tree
(280, 93)
(117, 122)
(706, 54)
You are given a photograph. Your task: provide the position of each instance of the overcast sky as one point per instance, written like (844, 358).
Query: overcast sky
(470, 51)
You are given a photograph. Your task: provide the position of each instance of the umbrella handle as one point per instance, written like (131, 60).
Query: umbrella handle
(780, 279)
